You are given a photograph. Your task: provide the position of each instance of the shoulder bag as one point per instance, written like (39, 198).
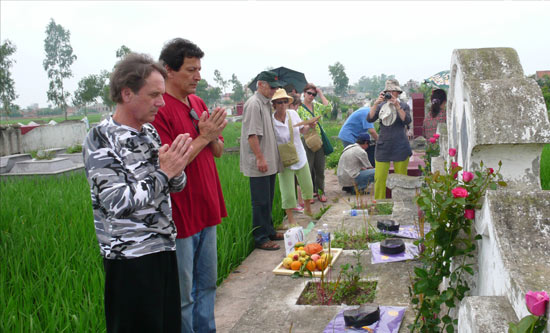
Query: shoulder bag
(327, 146)
(312, 138)
(287, 151)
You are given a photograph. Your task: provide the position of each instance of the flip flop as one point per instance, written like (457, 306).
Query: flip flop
(323, 198)
(268, 246)
(298, 209)
(277, 236)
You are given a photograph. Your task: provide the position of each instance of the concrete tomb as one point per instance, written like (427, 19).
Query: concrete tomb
(495, 113)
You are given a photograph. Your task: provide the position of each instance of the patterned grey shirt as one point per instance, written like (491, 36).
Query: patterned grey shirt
(130, 200)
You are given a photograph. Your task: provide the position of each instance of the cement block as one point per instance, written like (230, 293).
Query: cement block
(485, 314)
(76, 158)
(42, 166)
(7, 162)
(513, 254)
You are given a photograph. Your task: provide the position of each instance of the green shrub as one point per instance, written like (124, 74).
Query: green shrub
(74, 149)
(43, 154)
(332, 159)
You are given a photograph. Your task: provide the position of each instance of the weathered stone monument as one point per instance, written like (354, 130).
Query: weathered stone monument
(497, 114)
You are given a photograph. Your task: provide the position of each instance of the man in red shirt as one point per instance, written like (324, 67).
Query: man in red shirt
(200, 206)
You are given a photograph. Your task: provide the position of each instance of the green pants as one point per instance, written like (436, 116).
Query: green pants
(286, 185)
(381, 175)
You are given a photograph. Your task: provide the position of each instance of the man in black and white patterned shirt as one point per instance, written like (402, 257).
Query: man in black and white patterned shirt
(130, 176)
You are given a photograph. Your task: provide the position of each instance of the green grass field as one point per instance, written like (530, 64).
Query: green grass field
(51, 272)
(231, 134)
(545, 168)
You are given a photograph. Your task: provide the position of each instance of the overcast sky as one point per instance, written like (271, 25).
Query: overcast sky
(409, 39)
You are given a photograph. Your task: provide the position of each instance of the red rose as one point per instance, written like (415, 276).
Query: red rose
(491, 170)
(470, 214)
(436, 136)
(452, 151)
(454, 165)
(467, 176)
(459, 192)
(432, 140)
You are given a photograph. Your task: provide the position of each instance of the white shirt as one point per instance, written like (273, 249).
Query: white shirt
(282, 135)
(353, 159)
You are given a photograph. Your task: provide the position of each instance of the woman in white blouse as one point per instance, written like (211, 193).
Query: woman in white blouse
(299, 169)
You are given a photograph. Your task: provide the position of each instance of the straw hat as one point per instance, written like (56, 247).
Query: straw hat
(280, 94)
(393, 85)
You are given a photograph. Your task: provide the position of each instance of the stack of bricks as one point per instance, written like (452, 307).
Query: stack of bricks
(417, 113)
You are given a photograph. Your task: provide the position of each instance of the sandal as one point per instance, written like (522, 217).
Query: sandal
(298, 209)
(323, 198)
(277, 236)
(268, 246)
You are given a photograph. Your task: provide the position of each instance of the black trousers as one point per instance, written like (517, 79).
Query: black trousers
(370, 152)
(262, 191)
(316, 161)
(142, 294)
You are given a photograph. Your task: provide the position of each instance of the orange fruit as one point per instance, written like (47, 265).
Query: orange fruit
(321, 264)
(311, 266)
(295, 265)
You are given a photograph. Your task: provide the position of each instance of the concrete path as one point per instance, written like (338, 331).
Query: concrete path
(253, 299)
(244, 285)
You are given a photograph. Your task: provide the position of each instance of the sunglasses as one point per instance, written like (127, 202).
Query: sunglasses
(194, 116)
(310, 93)
(281, 102)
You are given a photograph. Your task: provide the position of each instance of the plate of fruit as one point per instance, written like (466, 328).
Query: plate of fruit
(308, 258)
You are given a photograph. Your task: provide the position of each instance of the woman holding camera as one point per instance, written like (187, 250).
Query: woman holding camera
(283, 120)
(315, 154)
(393, 144)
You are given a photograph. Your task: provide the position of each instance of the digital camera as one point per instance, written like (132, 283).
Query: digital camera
(387, 96)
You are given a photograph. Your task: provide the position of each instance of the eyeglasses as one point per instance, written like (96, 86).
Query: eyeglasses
(281, 102)
(311, 93)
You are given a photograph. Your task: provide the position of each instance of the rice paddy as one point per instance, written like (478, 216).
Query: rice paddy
(51, 270)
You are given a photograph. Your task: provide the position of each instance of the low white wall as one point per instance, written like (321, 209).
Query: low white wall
(61, 135)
